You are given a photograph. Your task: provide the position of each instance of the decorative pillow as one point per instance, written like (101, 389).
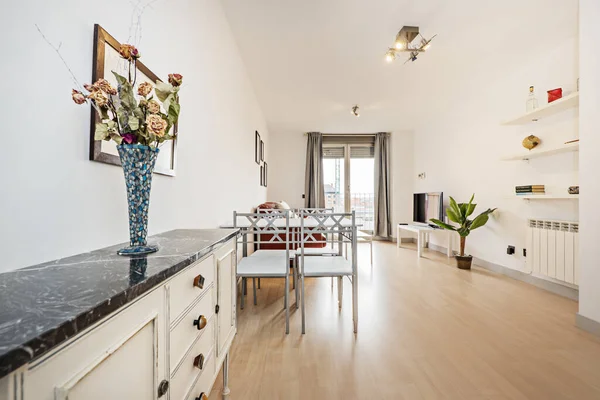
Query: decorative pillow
(284, 205)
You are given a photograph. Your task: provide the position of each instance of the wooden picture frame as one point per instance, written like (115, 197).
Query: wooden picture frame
(257, 147)
(262, 151)
(265, 174)
(262, 176)
(105, 152)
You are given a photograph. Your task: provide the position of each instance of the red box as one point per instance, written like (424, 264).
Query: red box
(554, 94)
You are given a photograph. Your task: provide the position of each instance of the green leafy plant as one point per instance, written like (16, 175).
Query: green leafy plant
(459, 213)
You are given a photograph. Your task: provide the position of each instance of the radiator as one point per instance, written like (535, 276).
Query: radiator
(553, 250)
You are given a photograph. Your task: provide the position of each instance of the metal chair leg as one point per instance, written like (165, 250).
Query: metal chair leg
(296, 279)
(303, 305)
(340, 291)
(286, 300)
(242, 294)
(245, 286)
(254, 289)
(259, 283)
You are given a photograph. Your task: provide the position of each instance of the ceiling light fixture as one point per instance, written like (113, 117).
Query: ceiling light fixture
(403, 41)
(355, 111)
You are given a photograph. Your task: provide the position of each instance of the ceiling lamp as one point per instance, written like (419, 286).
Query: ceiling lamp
(355, 111)
(404, 44)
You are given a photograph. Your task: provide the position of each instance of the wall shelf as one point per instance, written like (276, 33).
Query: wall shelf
(548, 197)
(565, 148)
(555, 107)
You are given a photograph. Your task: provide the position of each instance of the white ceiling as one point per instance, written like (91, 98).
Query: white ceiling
(310, 61)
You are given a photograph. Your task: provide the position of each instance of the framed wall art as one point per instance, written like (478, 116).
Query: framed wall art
(107, 59)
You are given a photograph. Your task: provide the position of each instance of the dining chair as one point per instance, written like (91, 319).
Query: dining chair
(265, 228)
(312, 228)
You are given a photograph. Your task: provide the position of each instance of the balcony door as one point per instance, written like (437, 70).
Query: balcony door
(349, 179)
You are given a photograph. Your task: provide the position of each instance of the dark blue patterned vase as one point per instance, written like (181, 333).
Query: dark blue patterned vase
(138, 163)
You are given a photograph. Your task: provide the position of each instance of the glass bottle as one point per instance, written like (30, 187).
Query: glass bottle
(532, 102)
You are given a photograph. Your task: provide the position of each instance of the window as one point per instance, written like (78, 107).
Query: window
(348, 172)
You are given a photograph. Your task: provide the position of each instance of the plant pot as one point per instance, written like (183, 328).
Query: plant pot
(138, 164)
(464, 262)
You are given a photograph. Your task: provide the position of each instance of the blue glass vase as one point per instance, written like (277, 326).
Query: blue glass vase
(138, 163)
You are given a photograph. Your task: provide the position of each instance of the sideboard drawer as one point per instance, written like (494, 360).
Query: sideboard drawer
(204, 383)
(200, 355)
(189, 285)
(186, 331)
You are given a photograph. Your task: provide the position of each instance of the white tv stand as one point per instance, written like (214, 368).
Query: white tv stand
(423, 232)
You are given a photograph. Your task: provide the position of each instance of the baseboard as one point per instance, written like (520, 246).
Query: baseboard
(553, 287)
(587, 324)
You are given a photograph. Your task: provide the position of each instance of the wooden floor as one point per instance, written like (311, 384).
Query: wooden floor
(426, 331)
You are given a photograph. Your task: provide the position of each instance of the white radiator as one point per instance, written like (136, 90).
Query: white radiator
(553, 249)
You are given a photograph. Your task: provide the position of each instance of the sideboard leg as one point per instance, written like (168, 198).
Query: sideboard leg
(226, 390)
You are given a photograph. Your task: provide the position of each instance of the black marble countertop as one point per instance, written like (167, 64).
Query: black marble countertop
(44, 305)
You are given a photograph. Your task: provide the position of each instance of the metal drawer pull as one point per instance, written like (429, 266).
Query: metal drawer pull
(199, 282)
(163, 387)
(201, 322)
(199, 361)
(202, 396)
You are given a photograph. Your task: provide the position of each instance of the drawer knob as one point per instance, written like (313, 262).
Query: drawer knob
(163, 387)
(199, 282)
(201, 322)
(202, 396)
(199, 361)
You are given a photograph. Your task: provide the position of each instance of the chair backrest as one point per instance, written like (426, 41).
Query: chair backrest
(314, 225)
(313, 210)
(266, 226)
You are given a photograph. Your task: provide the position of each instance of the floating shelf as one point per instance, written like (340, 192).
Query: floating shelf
(555, 107)
(549, 197)
(565, 148)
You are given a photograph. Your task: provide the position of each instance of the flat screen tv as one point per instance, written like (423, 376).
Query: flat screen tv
(427, 206)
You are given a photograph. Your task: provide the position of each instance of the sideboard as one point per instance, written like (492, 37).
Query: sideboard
(101, 326)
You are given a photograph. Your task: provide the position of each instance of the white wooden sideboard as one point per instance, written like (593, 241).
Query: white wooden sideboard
(168, 343)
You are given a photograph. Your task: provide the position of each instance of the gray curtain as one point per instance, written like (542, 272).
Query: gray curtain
(314, 191)
(383, 224)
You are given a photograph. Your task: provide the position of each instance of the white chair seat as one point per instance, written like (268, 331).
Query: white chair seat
(317, 251)
(264, 264)
(326, 266)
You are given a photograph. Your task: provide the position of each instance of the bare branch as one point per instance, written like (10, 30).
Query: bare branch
(57, 50)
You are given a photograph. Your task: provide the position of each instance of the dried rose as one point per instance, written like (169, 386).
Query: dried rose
(78, 97)
(156, 125)
(129, 52)
(129, 138)
(88, 87)
(105, 86)
(175, 79)
(98, 97)
(153, 107)
(143, 103)
(144, 89)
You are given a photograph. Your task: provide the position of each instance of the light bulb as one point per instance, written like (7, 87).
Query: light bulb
(399, 45)
(390, 56)
(427, 46)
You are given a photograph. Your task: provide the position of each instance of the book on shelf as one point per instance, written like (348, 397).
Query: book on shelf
(530, 194)
(530, 187)
(529, 191)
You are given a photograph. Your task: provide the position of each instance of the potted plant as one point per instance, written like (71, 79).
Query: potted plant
(459, 213)
(138, 124)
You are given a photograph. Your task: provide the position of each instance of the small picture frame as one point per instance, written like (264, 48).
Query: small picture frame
(262, 175)
(265, 174)
(262, 151)
(257, 143)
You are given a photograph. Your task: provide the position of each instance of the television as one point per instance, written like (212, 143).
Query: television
(427, 206)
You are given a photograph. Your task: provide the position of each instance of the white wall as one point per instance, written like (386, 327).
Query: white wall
(54, 202)
(589, 62)
(463, 97)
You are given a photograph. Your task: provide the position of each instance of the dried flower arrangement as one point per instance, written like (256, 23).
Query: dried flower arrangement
(126, 119)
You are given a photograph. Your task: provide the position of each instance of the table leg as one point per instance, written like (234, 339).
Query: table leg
(419, 244)
(226, 390)
(398, 236)
(449, 251)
